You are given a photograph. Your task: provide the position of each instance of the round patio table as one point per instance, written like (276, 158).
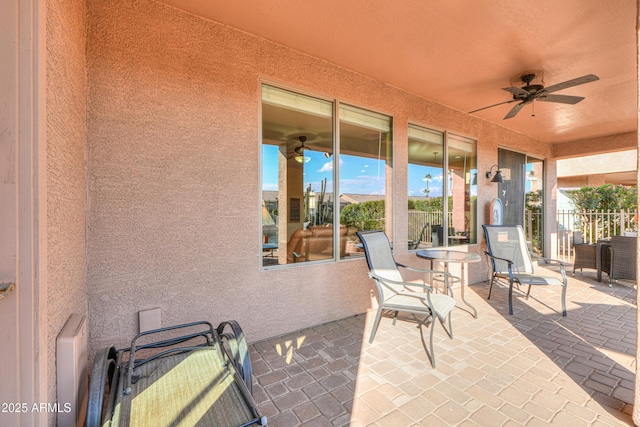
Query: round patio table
(446, 256)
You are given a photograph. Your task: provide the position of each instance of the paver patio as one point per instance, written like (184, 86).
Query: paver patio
(534, 368)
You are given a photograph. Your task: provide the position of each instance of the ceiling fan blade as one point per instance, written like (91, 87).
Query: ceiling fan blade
(515, 110)
(494, 105)
(574, 82)
(563, 99)
(516, 91)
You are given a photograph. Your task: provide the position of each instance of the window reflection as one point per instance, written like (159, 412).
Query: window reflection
(435, 219)
(463, 189)
(297, 177)
(299, 163)
(426, 187)
(365, 175)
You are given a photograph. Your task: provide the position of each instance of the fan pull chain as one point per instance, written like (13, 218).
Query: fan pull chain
(533, 108)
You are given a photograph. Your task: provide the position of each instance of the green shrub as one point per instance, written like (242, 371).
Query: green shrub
(364, 216)
(432, 204)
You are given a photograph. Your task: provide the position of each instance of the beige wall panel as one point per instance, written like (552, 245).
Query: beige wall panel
(65, 173)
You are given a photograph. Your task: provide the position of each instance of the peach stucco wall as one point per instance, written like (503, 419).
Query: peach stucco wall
(173, 174)
(65, 173)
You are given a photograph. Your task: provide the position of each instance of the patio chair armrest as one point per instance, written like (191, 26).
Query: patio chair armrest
(548, 260)
(395, 282)
(446, 274)
(420, 270)
(508, 261)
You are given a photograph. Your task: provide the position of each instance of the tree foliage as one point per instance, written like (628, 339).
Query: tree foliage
(607, 197)
(364, 216)
(432, 204)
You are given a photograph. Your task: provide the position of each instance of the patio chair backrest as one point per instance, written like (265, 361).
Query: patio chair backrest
(380, 259)
(624, 257)
(508, 242)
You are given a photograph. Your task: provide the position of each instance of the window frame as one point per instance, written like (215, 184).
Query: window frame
(446, 135)
(336, 143)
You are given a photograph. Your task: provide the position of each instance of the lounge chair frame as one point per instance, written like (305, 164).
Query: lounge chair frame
(120, 376)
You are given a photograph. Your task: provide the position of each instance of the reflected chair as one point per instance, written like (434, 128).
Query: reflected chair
(413, 244)
(584, 253)
(510, 260)
(623, 258)
(398, 295)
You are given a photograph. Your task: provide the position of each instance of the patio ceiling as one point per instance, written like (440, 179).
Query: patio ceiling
(460, 53)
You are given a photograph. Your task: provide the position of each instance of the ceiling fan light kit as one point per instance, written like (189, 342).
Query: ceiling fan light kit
(533, 89)
(300, 157)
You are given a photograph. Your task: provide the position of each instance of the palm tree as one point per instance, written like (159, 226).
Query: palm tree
(427, 179)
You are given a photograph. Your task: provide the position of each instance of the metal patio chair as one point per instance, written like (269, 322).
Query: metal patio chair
(413, 244)
(510, 259)
(398, 295)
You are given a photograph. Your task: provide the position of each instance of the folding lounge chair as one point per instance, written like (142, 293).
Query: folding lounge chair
(396, 294)
(202, 377)
(510, 259)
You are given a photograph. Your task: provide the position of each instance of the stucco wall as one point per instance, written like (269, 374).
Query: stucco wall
(173, 137)
(65, 174)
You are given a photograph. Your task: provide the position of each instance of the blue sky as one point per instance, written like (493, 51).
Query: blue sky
(359, 175)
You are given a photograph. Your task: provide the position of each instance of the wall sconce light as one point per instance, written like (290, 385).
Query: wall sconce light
(498, 175)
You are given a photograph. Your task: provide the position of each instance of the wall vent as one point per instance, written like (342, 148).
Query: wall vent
(71, 366)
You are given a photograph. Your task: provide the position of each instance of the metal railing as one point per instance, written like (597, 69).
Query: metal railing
(417, 219)
(593, 225)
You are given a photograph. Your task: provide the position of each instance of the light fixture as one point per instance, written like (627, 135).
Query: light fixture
(498, 176)
(300, 157)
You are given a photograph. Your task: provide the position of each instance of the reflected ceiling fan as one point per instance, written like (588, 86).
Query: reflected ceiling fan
(535, 91)
(298, 152)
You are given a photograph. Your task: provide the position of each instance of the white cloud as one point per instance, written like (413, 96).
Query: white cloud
(328, 166)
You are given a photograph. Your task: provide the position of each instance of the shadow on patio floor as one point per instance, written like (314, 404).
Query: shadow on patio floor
(532, 368)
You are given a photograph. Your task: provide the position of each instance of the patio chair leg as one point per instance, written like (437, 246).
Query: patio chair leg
(376, 322)
(432, 355)
(528, 292)
(491, 286)
(395, 318)
(564, 303)
(511, 297)
(450, 330)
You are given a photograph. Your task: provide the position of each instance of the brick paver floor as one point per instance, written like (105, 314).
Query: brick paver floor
(534, 368)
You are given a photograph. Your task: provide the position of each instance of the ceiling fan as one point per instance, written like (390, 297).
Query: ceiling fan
(537, 92)
(299, 151)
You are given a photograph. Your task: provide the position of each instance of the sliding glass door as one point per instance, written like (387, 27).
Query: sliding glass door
(521, 194)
